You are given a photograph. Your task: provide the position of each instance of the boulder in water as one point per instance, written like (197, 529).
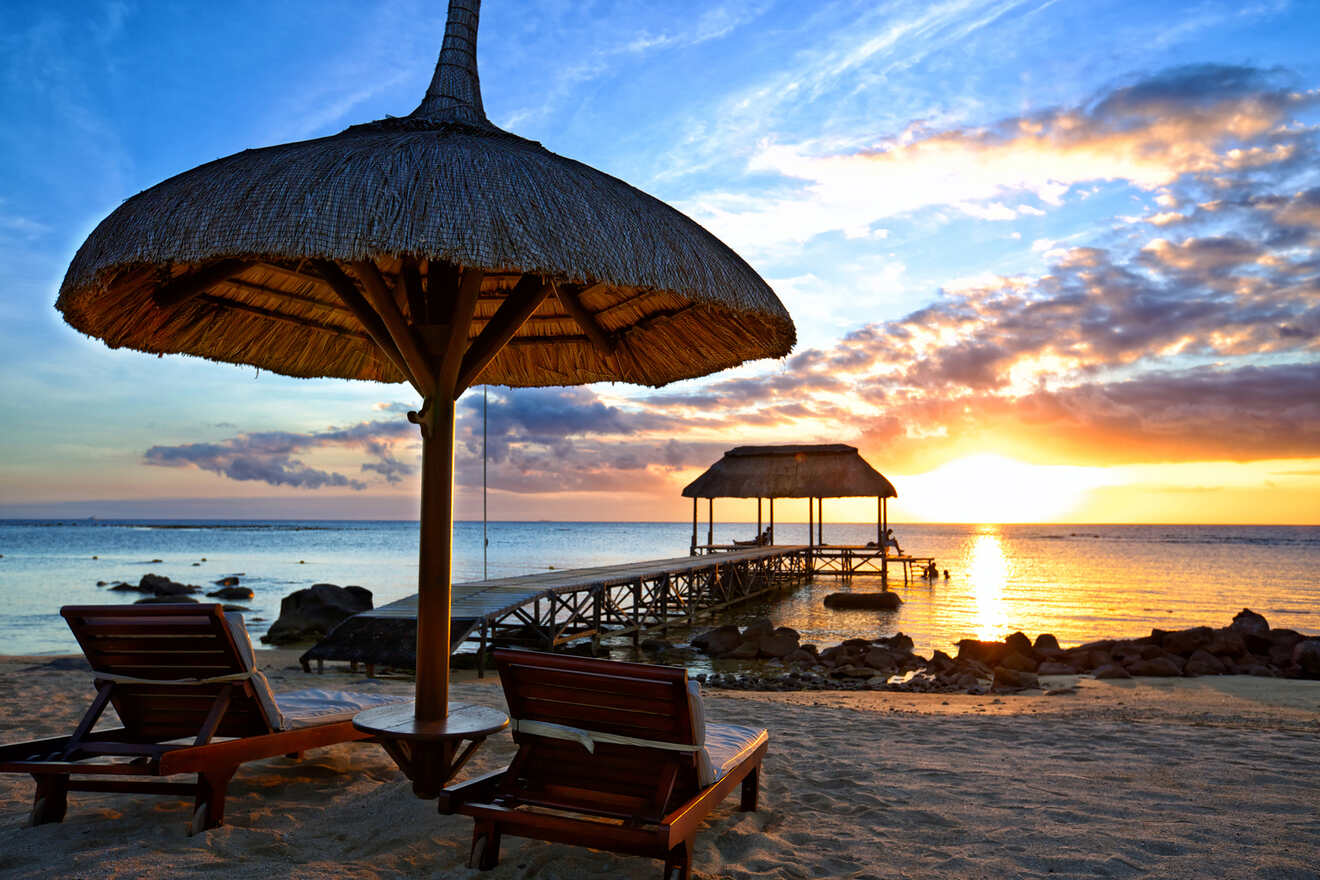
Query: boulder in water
(780, 643)
(231, 593)
(309, 615)
(720, 640)
(162, 586)
(885, 601)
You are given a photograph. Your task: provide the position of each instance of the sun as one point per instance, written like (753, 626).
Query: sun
(993, 489)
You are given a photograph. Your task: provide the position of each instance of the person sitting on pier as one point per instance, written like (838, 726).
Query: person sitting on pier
(892, 541)
(760, 540)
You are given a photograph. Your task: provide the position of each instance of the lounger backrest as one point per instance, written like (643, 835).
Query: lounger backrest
(640, 701)
(191, 649)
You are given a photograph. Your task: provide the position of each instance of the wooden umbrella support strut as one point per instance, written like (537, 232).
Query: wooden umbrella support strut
(440, 358)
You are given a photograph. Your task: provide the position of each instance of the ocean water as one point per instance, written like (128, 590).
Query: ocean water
(1078, 582)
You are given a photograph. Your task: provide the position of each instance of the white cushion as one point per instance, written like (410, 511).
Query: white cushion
(265, 699)
(726, 746)
(697, 709)
(314, 706)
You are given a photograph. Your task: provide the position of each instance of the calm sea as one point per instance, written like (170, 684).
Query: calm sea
(1078, 582)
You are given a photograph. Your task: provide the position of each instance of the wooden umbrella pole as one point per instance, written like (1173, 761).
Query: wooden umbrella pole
(435, 557)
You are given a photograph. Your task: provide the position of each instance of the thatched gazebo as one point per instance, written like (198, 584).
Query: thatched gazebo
(792, 471)
(434, 249)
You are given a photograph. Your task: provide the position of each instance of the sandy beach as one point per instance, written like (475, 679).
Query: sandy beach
(1206, 777)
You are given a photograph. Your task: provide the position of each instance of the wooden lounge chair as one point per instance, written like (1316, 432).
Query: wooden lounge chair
(615, 756)
(183, 680)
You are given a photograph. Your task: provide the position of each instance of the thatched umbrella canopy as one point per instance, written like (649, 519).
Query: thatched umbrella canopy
(832, 470)
(434, 249)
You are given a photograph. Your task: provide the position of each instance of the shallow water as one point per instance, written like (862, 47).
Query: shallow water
(1079, 582)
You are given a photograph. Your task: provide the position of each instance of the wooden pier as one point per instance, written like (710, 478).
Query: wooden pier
(844, 560)
(548, 609)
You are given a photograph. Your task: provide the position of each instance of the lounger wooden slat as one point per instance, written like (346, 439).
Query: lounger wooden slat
(203, 709)
(579, 696)
(641, 797)
(601, 718)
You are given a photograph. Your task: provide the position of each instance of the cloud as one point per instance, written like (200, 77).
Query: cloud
(268, 456)
(1180, 348)
(572, 439)
(1204, 120)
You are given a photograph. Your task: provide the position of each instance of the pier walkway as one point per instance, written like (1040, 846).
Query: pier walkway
(549, 608)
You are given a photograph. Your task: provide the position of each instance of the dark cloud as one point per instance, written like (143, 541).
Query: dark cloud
(1191, 90)
(542, 440)
(268, 456)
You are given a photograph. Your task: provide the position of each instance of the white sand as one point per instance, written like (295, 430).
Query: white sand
(1211, 777)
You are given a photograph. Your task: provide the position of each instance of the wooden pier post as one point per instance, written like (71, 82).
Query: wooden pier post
(636, 613)
(710, 522)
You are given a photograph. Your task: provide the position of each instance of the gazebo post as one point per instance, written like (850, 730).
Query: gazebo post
(772, 520)
(710, 522)
(820, 521)
(811, 521)
(884, 542)
(758, 516)
(692, 551)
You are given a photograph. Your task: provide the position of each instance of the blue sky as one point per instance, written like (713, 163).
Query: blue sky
(1073, 242)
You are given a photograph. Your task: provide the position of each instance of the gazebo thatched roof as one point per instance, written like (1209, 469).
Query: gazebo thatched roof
(227, 261)
(825, 471)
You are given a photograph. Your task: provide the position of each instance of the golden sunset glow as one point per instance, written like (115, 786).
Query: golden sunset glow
(994, 489)
(989, 571)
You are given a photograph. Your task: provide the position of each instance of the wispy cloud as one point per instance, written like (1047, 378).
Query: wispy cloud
(1205, 121)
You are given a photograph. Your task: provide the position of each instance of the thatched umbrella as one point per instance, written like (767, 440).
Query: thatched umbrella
(434, 249)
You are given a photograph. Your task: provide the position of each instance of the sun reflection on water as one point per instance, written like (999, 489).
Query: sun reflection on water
(989, 571)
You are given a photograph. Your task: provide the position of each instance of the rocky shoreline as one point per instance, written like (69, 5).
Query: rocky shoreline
(1247, 646)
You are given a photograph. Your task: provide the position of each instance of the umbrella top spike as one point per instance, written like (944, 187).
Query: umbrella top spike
(455, 91)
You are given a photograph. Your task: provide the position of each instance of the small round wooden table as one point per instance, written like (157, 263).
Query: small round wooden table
(428, 752)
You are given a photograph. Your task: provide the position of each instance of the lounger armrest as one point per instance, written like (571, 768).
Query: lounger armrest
(482, 788)
(234, 752)
(23, 751)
